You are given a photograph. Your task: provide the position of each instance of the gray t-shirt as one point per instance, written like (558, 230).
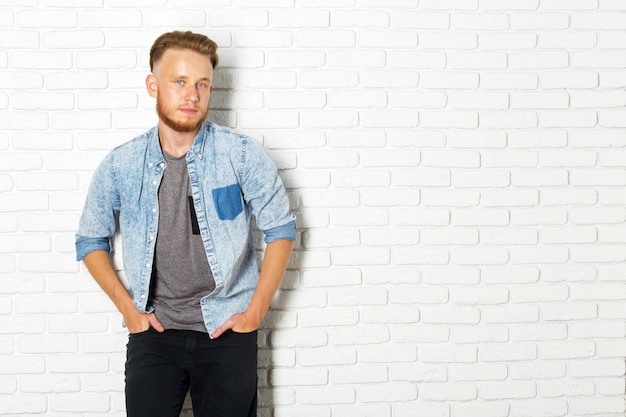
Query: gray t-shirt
(181, 273)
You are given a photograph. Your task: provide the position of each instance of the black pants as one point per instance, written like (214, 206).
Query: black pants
(220, 374)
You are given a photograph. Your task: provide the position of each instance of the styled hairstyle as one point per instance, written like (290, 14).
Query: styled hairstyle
(183, 40)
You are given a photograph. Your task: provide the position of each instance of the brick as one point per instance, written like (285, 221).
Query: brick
(480, 21)
(21, 120)
(394, 392)
(47, 344)
(390, 315)
(329, 317)
(420, 334)
(363, 335)
(557, 235)
(267, 79)
(388, 79)
(448, 40)
(327, 356)
(359, 375)
(426, 60)
(238, 18)
(47, 18)
(25, 243)
(326, 395)
(578, 40)
(456, 236)
(419, 20)
(510, 5)
(480, 334)
(420, 217)
(361, 256)
(176, 18)
(69, 40)
(513, 120)
(71, 80)
(110, 18)
(22, 39)
(392, 4)
(294, 59)
(513, 41)
(539, 60)
(479, 296)
(451, 354)
(328, 39)
(452, 119)
(80, 402)
(540, 100)
(598, 59)
(477, 61)
(401, 275)
(450, 198)
(508, 81)
(24, 202)
(106, 100)
(300, 19)
(361, 178)
(450, 80)
(569, 79)
(300, 377)
(508, 390)
(449, 315)
(480, 256)
(476, 217)
(389, 118)
(106, 59)
(329, 119)
(22, 404)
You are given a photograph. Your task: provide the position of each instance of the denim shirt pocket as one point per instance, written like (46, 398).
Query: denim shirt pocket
(227, 201)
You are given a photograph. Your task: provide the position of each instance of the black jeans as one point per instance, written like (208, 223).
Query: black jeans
(220, 374)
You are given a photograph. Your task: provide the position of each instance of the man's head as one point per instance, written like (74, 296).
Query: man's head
(183, 40)
(182, 66)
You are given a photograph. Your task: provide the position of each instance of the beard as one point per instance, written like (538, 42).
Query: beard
(188, 125)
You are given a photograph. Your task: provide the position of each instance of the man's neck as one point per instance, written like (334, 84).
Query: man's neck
(175, 143)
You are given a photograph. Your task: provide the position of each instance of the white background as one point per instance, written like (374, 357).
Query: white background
(457, 168)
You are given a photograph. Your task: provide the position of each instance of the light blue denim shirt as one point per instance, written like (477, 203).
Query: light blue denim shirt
(233, 180)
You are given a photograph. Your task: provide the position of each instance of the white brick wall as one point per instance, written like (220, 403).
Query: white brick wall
(457, 168)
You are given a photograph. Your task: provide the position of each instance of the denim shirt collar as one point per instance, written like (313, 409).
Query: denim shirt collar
(155, 153)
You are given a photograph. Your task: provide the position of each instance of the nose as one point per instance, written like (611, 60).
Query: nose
(192, 94)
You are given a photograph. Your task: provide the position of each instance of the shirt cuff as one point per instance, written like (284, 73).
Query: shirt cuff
(287, 231)
(86, 245)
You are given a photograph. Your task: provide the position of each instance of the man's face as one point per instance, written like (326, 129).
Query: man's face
(182, 83)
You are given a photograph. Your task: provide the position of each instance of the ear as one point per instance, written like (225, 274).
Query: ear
(211, 90)
(151, 85)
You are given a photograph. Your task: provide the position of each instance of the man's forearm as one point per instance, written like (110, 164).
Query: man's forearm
(101, 269)
(277, 255)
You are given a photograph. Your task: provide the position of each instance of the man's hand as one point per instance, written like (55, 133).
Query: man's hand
(239, 323)
(137, 322)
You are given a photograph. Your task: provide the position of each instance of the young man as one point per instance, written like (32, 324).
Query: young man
(184, 194)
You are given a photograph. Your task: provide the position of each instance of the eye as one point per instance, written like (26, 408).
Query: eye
(179, 82)
(202, 85)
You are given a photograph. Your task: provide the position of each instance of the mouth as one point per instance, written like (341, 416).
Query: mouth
(189, 111)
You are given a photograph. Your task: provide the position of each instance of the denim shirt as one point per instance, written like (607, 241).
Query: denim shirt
(232, 180)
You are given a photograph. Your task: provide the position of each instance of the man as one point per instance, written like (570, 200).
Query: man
(184, 194)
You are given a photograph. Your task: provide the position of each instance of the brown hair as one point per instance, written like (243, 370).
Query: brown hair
(183, 40)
